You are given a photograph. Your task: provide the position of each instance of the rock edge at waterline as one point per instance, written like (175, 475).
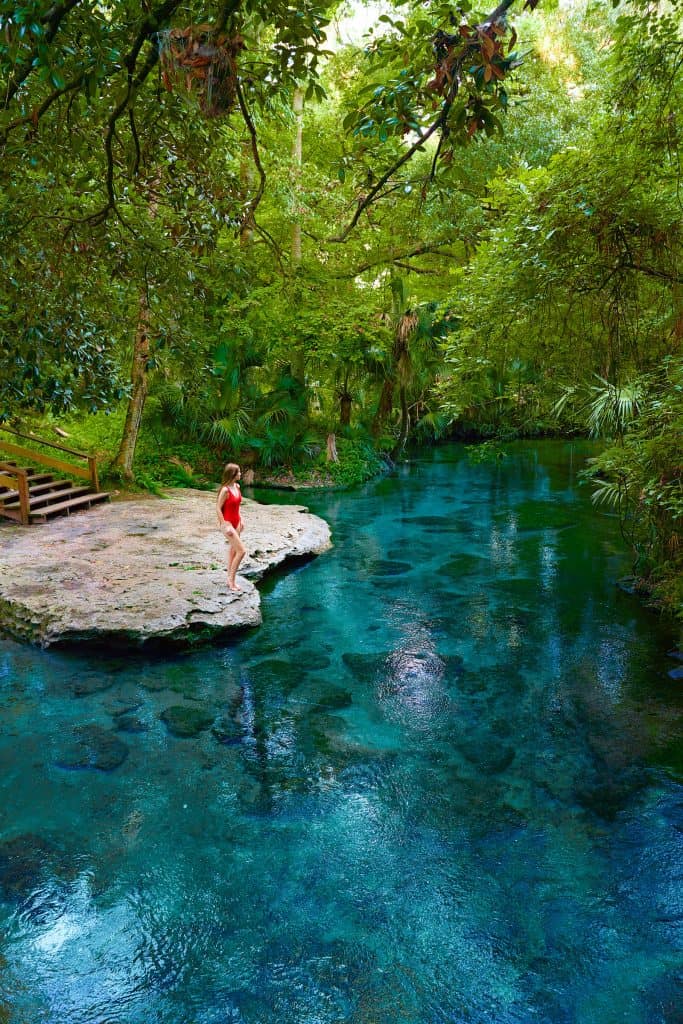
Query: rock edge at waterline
(144, 570)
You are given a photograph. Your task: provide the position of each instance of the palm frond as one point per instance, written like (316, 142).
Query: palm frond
(607, 492)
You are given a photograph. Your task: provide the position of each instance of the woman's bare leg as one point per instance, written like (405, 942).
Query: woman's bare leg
(237, 553)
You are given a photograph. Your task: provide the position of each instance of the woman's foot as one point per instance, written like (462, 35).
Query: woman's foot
(233, 587)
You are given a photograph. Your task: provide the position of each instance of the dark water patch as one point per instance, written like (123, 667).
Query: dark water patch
(27, 860)
(228, 730)
(486, 753)
(432, 522)
(464, 565)
(388, 567)
(390, 584)
(130, 724)
(334, 698)
(538, 515)
(609, 794)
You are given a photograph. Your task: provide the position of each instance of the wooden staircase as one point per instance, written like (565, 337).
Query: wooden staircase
(29, 496)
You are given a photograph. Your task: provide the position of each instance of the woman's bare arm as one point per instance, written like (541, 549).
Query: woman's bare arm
(220, 501)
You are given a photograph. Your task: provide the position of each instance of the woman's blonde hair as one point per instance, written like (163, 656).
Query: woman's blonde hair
(230, 473)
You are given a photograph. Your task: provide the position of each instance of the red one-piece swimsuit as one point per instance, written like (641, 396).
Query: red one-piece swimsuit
(231, 508)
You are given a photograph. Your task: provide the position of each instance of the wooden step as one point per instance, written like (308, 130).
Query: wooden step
(48, 484)
(46, 499)
(35, 474)
(73, 504)
(34, 478)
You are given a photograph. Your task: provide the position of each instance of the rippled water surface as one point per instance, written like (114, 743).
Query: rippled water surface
(438, 785)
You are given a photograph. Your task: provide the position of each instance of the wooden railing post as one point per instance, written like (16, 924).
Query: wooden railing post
(24, 500)
(94, 479)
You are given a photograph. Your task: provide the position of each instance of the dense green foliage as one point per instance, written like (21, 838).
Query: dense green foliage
(449, 227)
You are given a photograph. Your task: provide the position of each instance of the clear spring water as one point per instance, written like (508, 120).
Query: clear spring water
(440, 785)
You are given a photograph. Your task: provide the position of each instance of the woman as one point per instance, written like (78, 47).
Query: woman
(230, 520)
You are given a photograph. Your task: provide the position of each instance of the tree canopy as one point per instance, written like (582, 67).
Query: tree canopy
(232, 221)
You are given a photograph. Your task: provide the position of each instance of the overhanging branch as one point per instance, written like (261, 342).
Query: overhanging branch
(248, 215)
(493, 18)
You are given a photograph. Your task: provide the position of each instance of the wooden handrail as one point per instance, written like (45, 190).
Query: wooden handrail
(8, 475)
(50, 444)
(46, 460)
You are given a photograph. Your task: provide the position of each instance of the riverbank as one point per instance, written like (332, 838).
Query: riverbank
(144, 570)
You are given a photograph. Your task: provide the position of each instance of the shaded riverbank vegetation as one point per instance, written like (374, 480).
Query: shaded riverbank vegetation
(305, 237)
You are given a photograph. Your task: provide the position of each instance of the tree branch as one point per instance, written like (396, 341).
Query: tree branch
(110, 131)
(36, 114)
(248, 215)
(495, 16)
(420, 250)
(369, 198)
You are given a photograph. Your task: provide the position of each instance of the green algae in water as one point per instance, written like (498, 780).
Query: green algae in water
(439, 784)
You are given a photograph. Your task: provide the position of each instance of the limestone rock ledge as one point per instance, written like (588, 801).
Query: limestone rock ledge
(144, 570)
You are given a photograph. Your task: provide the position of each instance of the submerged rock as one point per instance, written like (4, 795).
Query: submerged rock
(130, 724)
(486, 754)
(122, 705)
(186, 722)
(95, 748)
(276, 673)
(92, 683)
(334, 699)
(389, 567)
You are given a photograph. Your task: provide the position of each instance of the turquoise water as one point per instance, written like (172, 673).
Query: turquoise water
(438, 785)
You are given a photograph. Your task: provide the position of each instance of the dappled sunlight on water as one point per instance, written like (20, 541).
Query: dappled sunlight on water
(440, 784)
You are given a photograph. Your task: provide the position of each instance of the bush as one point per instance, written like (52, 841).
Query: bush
(643, 479)
(358, 462)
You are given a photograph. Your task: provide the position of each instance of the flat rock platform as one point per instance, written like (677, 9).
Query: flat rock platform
(144, 570)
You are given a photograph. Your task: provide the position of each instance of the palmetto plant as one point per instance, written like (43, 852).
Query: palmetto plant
(613, 407)
(610, 492)
(231, 431)
(608, 409)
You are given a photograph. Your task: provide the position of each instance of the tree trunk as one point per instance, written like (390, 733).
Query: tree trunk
(332, 448)
(677, 297)
(405, 423)
(297, 161)
(405, 325)
(386, 404)
(246, 184)
(298, 362)
(345, 402)
(139, 388)
(139, 372)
